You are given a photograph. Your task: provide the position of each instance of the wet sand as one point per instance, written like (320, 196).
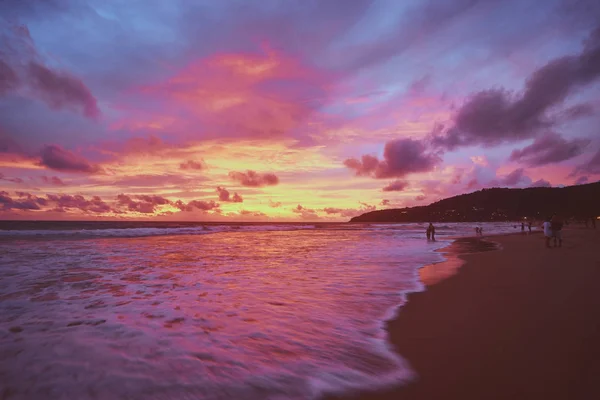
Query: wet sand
(522, 322)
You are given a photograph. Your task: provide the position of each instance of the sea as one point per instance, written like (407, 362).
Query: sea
(169, 310)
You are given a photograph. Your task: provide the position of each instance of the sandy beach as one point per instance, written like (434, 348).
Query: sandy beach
(522, 322)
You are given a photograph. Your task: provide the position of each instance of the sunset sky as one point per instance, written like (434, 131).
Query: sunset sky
(289, 110)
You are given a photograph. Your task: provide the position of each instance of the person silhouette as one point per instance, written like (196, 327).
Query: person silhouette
(431, 231)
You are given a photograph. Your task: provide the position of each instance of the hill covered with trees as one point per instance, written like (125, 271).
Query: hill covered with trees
(499, 204)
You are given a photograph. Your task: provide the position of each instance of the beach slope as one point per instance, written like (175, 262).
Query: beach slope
(518, 323)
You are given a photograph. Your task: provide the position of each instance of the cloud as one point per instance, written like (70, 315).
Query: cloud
(548, 149)
(9, 79)
(254, 179)
(224, 195)
(274, 204)
(385, 202)
(351, 212)
(9, 179)
(305, 213)
(541, 183)
(145, 204)
(420, 197)
(29, 203)
(21, 67)
(515, 178)
(494, 116)
(52, 180)
(578, 111)
(148, 181)
(61, 90)
(396, 186)
(259, 94)
(248, 213)
(591, 167)
(197, 204)
(57, 158)
(582, 180)
(93, 205)
(400, 157)
(191, 165)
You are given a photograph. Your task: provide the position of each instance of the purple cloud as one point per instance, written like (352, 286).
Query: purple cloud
(550, 148)
(191, 165)
(582, 180)
(94, 205)
(52, 180)
(400, 157)
(9, 179)
(61, 90)
(541, 183)
(57, 158)
(516, 177)
(145, 204)
(9, 79)
(254, 179)
(591, 167)
(224, 195)
(396, 186)
(29, 203)
(21, 67)
(578, 111)
(494, 116)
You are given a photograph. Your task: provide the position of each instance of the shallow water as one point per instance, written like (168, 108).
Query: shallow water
(238, 314)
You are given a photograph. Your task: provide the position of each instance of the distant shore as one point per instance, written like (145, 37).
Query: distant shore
(518, 323)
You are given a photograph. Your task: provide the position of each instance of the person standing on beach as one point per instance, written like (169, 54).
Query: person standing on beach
(529, 226)
(522, 226)
(547, 225)
(556, 226)
(431, 231)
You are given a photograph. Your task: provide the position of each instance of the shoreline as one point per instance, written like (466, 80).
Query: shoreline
(472, 332)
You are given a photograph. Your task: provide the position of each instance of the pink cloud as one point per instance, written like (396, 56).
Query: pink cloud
(194, 165)
(10, 179)
(396, 186)
(254, 179)
(243, 95)
(145, 204)
(305, 213)
(57, 158)
(224, 195)
(249, 213)
(64, 201)
(351, 212)
(53, 180)
(197, 204)
(29, 203)
(400, 158)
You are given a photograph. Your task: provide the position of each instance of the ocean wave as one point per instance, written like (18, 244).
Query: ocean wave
(143, 232)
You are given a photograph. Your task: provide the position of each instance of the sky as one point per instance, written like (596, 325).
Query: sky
(289, 110)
